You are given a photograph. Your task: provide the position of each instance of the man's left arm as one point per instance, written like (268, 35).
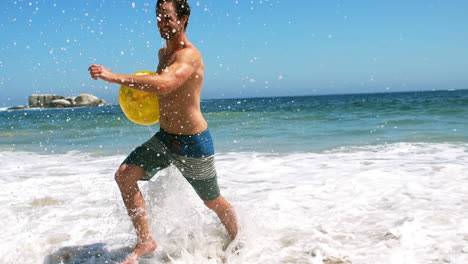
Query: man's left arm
(167, 81)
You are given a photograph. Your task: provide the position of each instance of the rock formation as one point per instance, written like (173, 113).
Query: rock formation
(54, 101)
(58, 101)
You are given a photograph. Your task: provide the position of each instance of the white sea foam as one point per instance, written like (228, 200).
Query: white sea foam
(397, 203)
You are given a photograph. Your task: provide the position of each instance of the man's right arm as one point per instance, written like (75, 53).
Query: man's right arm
(176, 74)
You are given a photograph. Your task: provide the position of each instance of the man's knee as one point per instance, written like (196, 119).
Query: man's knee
(119, 176)
(128, 174)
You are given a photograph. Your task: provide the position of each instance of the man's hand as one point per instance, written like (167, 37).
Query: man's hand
(99, 71)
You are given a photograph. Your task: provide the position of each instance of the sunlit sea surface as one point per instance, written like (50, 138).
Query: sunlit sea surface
(368, 178)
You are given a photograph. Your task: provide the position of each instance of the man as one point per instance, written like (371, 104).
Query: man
(183, 140)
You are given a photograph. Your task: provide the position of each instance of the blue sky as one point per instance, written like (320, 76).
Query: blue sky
(251, 48)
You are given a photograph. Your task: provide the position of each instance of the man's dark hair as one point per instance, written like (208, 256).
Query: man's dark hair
(182, 8)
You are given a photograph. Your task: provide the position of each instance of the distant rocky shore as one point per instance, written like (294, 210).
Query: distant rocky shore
(58, 101)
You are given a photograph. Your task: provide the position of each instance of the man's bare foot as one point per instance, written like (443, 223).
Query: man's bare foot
(140, 250)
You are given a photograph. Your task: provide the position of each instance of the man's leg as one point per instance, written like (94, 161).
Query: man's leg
(127, 177)
(226, 214)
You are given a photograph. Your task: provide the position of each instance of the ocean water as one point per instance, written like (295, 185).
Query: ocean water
(368, 178)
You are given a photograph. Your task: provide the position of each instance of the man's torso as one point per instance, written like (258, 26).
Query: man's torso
(180, 111)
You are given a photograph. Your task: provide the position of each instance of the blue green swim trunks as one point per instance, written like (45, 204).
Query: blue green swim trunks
(193, 155)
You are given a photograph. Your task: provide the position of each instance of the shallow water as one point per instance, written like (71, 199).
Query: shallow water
(398, 203)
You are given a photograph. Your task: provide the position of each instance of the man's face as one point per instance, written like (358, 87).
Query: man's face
(168, 23)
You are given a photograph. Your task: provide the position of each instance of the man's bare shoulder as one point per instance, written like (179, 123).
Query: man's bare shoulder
(190, 54)
(190, 51)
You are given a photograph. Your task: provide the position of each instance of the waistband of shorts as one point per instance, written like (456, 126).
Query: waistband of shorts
(196, 146)
(201, 134)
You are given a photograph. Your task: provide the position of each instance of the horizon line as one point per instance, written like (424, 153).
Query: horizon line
(332, 94)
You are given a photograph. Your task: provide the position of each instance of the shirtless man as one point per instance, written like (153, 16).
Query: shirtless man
(183, 140)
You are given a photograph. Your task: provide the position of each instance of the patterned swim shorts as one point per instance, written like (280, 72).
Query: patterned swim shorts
(193, 155)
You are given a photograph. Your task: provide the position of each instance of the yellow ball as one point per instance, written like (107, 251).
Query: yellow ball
(140, 107)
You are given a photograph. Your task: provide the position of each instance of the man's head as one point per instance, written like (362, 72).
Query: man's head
(172, 16)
